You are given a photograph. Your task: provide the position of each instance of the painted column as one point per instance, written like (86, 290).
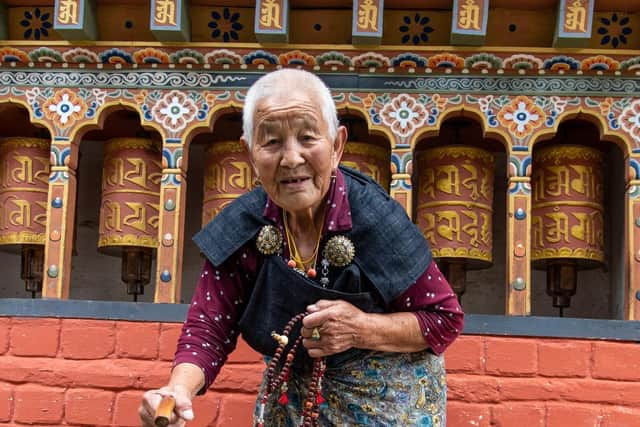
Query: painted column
(173, 198)
(61, 212)
(632, 300)
(518, 286)
(401, 165)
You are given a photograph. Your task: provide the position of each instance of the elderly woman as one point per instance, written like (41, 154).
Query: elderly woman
(323, 273)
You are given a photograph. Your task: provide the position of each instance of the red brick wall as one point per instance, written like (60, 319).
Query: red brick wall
(56, 372)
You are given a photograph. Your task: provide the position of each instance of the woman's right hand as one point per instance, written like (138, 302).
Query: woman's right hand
(182, 412)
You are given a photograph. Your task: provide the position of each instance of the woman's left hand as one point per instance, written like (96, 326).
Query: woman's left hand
(340, 326)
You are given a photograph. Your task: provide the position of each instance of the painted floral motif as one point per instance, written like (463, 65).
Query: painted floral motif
(522, 61)
(225, 25)
(150, 55)
(115, 56)
(521, 116)
(561, 63)
(446, 60)
(223, 56)
(370, 59)
(260, 57)
(175, 110)
(415, 29)
(64, 108)
(10, 54)
(296, 57)
(36, 24)
(409, 60)
(333, 58)
(600, 62)
(631, 64)
(186, 56)
(483, 61)
(630, 120)
(80, 55)
(45, 54)
(614, 30)
(404, 114)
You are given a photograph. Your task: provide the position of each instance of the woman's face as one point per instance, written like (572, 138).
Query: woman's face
(292, 152)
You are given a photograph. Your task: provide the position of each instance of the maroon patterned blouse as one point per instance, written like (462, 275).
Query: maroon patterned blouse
(209, 333)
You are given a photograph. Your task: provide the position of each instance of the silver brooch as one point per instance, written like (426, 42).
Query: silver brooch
(269, 240)
(339, 251)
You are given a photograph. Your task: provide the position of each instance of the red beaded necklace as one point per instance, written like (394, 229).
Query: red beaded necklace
(313, 400)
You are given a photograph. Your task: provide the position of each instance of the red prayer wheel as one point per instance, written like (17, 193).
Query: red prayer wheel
(370, 159)
(567, 215)
(455, 208)
(228, 175)
(24, 187)
(129, 211)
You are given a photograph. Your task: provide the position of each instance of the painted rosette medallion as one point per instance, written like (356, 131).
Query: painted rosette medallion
(228, 175)
(24, 186)
(455, 204)
(129, 212)
(567, 206)
(370, 159)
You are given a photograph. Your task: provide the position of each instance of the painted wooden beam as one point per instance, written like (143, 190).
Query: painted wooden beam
(367, 22)
(469, 22)
(573, 25)
(4, 22)
(272, 21)
(75, 19)
(169, 20)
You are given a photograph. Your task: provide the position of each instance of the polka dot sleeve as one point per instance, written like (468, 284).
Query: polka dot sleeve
(435, 306)
(209, 333)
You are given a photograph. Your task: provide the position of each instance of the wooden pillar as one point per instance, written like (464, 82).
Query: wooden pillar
(400, 188)
(173, 198)
(518, 286)
(61, 213)
(632, 294)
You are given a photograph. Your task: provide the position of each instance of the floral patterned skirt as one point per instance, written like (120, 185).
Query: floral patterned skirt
(380, 389)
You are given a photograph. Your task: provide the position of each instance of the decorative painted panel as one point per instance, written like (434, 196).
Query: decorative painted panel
(367, 22)
(469, 21)
(75, 19)
(169, 20)
(573, 25)
(272, 21)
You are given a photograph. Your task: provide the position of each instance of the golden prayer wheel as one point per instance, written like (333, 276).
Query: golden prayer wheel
(372, 160)
(129, 211)
(24, 187)
(455, 208)
(228, 175)
(567, 216)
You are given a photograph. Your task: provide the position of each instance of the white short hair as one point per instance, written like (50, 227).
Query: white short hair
(286, 79)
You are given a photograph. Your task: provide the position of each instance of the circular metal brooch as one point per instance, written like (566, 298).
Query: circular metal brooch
(339, 251)
(269, 240)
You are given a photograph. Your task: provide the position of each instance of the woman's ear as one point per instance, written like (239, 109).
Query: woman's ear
(338, 146)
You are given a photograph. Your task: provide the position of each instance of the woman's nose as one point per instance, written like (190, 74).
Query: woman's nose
(292, 155)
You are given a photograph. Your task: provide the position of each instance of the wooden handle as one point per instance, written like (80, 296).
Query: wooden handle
(164, 411)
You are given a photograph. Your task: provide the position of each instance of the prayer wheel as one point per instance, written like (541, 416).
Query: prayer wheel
(372, 160)
(129, 210)
(228, 175)
(567, 216)
(24, 186)
(455, 208)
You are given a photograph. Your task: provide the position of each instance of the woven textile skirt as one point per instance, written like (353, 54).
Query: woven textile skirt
(380, 389)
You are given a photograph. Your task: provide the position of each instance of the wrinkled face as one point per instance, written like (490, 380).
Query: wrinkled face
(292, 152)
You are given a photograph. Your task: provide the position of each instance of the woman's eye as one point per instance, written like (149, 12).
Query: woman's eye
(271, 141)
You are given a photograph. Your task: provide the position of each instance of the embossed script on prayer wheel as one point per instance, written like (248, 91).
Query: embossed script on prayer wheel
(24, 186)
(370, 159)
(455, 208)
(129, 211)
(228, 175)
(567, 215)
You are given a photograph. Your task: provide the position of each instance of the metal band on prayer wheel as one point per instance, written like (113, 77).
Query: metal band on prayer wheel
(130, 193)
(567, 206)
(455, 203)
(228, 175)
(24, 186)
(372, 160)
